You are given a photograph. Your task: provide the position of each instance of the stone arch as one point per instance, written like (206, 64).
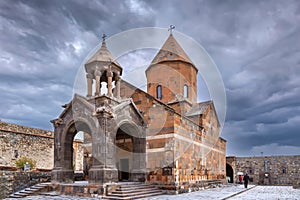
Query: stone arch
(130, 151)
(63, 164)
(130, 126)
(229, 173)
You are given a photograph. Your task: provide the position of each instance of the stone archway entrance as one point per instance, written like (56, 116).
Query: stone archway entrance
(124, 149)
(128, 152)
(63, 170)
(229, 173)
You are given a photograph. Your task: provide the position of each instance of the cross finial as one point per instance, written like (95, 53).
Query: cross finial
(171, 28)
(103, 37)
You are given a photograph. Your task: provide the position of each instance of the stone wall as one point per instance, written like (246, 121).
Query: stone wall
(19, 141)
(269, 170)
(11, 182)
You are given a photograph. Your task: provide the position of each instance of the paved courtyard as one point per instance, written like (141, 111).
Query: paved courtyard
(225, 192)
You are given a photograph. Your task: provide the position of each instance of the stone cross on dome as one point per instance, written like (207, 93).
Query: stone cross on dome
(171, 28)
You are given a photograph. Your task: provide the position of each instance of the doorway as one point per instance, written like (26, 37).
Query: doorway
(229, 173)
(124, 169)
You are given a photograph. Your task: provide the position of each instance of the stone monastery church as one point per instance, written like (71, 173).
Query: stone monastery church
(162, 136)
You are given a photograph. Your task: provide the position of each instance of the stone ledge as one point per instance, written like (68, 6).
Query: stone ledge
(14, 128)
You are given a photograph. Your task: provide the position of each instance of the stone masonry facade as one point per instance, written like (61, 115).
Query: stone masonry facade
(21, 141)
(183, 143)
(191, 152)
(267, 170)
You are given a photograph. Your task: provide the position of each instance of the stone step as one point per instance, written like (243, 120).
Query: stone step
(134, 193)
(15, 196)
(32, 189)
(135, 187)
(29, 191)
(26, 192)
(134, 197)
(19, 195)
(45, 183)
(37, 187)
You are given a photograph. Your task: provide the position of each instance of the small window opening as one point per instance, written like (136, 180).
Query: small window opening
(159, 92)
(185, 91)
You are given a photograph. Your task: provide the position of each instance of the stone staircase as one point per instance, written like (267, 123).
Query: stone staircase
(30, 191)
(134, 191)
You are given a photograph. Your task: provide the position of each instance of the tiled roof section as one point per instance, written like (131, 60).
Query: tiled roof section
(199, 108)
(171, 50)
(103, 54)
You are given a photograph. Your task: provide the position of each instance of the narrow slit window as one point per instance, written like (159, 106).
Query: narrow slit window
(185, 91)
(159, 92)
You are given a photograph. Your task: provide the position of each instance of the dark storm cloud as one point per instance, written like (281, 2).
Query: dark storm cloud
(255, 44)
(42, 46)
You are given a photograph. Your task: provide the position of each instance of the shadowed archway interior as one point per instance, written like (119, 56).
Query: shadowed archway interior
(125, 148)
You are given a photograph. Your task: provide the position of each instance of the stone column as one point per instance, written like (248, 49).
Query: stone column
(104, 169)
(118, 85)
(109, 75)
(89, 78)
(98, 86)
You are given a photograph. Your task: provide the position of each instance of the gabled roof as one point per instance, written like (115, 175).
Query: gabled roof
(198, 108)
(103, 55)
(127, 102)
(171, 50)
(79, 98)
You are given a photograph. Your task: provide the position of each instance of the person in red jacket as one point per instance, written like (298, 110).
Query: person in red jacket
(241, 179)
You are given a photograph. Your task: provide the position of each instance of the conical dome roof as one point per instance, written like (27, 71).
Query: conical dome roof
(103, 55)
(171, 51)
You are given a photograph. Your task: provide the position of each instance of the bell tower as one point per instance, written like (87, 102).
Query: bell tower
(172, 76)
(103, 67)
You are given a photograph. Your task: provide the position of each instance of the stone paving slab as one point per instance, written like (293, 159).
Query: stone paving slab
(253, 193)
(207, 194)
(270, 193)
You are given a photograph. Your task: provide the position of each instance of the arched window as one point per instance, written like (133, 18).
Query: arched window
(185, 91)
(159, 92)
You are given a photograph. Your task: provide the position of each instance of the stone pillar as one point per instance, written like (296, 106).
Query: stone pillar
(109, 75)
(104, 169)
(118, 85)
(62, 171)
(89, 78)
(98, 86)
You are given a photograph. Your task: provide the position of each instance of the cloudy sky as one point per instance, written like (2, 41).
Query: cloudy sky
(255, 44)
